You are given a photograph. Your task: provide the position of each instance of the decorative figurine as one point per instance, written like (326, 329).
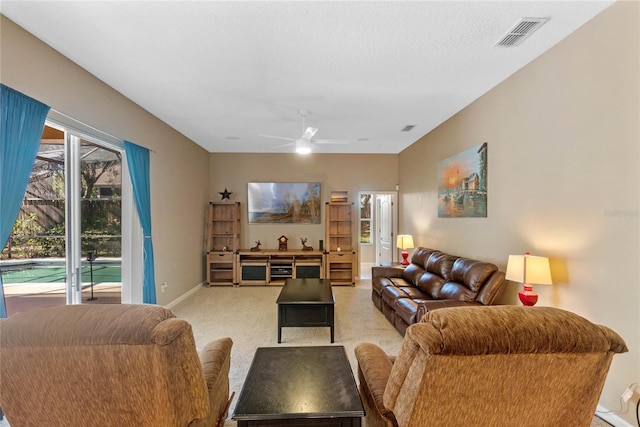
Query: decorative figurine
(304, 246)
(256, 248)
(282, 243)
(225, 194)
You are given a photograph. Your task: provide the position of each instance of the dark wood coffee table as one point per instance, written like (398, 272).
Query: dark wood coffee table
(299, 386)
(305, 303)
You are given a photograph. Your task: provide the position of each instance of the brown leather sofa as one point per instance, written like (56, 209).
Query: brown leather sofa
(110, 365)
(433, 280)
(489, 366)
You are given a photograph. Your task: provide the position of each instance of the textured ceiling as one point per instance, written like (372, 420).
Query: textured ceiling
(223, 73)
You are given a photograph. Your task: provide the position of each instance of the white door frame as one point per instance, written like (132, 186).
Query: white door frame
(380, 250)
(375, 238)
(131, 229)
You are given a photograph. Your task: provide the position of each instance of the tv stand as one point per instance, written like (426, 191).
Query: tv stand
(273, 267)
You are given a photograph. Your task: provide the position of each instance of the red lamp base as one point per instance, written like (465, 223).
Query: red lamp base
(527, 296)
(405, 255)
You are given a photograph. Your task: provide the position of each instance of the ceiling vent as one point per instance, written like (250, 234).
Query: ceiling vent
(407, 128)
(523, 29)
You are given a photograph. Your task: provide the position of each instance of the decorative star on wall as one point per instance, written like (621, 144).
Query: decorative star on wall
(225, 194)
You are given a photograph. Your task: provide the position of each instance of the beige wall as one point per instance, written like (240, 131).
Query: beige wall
(347, 172)
(179, 168)
(563, 181)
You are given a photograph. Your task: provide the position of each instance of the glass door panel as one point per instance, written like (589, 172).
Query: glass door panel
(100, 225)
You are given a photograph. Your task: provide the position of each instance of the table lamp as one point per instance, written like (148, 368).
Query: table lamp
(404, 242)
(528, 270)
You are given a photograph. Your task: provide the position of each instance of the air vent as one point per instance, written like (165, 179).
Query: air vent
(407, 128)
(523, 29)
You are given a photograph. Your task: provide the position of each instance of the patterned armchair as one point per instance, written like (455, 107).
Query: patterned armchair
(489, 366)
(110, 365)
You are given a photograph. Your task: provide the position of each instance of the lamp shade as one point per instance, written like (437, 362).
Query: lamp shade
(529, 269)
(405, 241)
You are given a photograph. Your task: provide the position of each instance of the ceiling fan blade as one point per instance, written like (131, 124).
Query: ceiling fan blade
(308, 134)
(278, 137)
(331, 141)
(283, 145)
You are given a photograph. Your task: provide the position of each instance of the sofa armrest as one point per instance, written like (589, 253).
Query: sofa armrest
(216, 360)
(426, 306)
(374, 367)
(391, 272)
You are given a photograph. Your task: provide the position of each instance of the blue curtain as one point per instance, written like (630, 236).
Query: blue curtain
(21, 127)
(138, 163)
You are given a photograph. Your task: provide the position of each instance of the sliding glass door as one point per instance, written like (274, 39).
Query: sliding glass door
(65, 246)
(93, 221)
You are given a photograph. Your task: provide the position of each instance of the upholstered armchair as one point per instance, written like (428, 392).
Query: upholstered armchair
(489, 366)
(110, 365)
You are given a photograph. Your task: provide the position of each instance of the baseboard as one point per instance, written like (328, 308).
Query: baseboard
(611, 417)
(184, 296)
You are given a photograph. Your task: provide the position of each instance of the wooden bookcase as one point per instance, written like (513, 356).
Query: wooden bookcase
(223, 238)
(340, 250)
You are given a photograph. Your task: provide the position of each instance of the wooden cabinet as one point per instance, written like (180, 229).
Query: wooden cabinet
(223, 241)
(273, 267)
(340, 250)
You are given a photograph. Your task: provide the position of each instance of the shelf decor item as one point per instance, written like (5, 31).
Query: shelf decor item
(404, 242)
(528, 270)
(304, 245)
(256, 248)
(282, 243)
(339, 196)
(225, 194)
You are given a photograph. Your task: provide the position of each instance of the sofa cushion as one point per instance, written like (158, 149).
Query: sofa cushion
(414, 293)
(392, 293)
(421, 256)
(406, 309)
(412, 273)
(440, 264)
(377, 283)
(472, 273)
(400, 283)
(456, 291)
(431, 284)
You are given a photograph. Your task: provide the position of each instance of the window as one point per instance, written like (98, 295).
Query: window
(365, 218)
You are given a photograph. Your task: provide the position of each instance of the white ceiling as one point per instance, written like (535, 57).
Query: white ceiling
(222, 73)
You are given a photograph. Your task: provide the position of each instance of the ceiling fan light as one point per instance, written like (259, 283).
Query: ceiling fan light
(303, 147)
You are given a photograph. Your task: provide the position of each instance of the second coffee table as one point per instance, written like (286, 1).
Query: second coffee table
(305, 303)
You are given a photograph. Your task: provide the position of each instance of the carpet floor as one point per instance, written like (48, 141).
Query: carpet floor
(248, 315)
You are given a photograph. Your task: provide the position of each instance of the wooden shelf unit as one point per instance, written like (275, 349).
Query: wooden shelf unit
(223, 241)
(273, 267)
(340, 252)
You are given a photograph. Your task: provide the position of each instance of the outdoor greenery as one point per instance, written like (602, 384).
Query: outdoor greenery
(39, 230)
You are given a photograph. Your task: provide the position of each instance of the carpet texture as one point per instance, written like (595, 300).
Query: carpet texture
(249, 316)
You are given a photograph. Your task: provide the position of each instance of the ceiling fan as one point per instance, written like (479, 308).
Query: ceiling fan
(304, 144)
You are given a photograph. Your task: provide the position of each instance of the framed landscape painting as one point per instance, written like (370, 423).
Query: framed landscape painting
(462, 184)
(284, 202)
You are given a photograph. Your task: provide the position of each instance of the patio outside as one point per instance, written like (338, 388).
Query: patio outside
(32, 262)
